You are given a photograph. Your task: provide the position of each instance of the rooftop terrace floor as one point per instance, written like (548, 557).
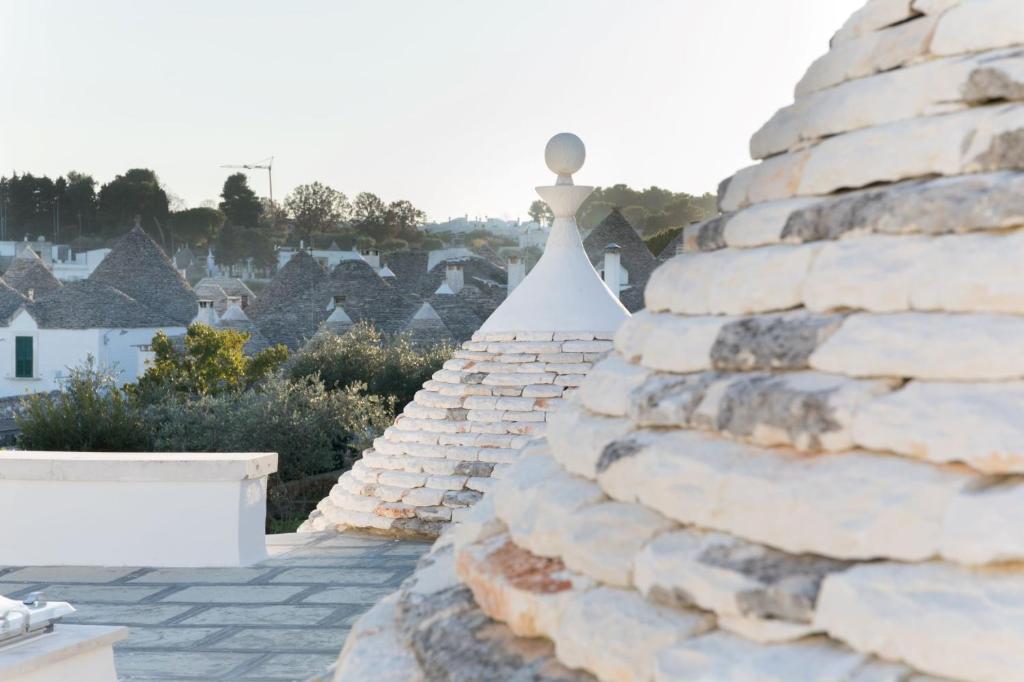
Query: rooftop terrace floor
(283, 619)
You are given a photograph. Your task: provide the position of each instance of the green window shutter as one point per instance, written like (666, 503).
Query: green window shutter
(23, 360)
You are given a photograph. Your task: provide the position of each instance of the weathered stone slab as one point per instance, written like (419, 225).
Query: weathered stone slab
(941, 619)
(578, 439)
(606, 388)
(732, 282)
(375, 651)
(874, 16)
(535, 500)
(602, 540)
(869, 53)
(981, 139)
(724, 657)
(525, 592)
(978, 424)
(731, 577)
(805, 410)
(876, 506)
(938, 86)
(669, 400)
(955, 273)
(616, 634)
(987, 201)
(979, 25)
(680, 344)
(938, 346)
(762, 224)
(771, 342)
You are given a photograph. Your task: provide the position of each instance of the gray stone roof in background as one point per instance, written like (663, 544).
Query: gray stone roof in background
(11, 301)
(300, 297)
(28, 273)
(232, 286)
(90, 304)
(635, 256)
(138, 267)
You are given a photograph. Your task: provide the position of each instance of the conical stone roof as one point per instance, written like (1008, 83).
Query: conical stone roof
(28, 273)
(470, 420)
(803, 460)
(138, 267)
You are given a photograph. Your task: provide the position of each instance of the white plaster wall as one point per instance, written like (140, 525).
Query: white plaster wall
(132, 523)
(119, 349)
(55, 351)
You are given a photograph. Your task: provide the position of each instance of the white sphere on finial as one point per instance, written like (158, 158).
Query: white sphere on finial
(565, 154)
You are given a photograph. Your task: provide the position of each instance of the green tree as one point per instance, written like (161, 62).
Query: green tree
(79, 204)
(403, 220)
(369, 216)
(240, 205)
(316, 208)
(135, 193)
(541, 213)
(212, 362)
(30, 203)
(195, 225)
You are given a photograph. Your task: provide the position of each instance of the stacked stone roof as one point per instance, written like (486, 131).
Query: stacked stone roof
(803, 460)
(28, 273)
(634, 255)
(467, 424)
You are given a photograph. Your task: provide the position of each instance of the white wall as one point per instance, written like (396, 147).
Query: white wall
(56, 350)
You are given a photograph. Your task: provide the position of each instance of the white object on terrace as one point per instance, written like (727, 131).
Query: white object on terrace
(563, 292)
(83, 653)
(133, 509)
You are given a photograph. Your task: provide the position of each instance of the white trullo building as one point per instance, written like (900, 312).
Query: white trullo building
(804, 460)
(47, 327)
(469, 422)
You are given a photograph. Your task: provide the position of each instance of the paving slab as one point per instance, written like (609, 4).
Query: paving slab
(283, 619)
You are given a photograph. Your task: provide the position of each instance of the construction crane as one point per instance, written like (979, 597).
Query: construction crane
(267, 165)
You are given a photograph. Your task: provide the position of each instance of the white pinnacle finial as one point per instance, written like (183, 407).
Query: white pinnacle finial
(564, 155)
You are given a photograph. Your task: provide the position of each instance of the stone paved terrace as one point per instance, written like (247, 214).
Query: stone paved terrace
(283, 619)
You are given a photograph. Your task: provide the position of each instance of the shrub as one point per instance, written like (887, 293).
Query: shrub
(211, 362)
(313, 430)
(92, 413)
(392, 367)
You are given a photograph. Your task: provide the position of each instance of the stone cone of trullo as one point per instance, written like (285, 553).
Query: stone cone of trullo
(471, 419)
(803, 461)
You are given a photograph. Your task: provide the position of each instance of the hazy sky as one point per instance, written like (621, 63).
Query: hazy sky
(447, 103)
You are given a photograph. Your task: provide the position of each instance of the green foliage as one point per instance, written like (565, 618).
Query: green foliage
(195, 225)
(236, 244)
(372, 218)
(387, 366)
(431, 244)
(212, 363)
(240, 205)
(317, 208)
(393, 245)
(91, 414)
(135, 193)
(36, 205)
(541, 213)
(658, 242)
(312, 429)
(650, 211)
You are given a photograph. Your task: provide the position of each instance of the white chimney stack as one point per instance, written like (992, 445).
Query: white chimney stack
(612, 268)
(206, 313)
(516, 272)
(372, 256)
(454, 277)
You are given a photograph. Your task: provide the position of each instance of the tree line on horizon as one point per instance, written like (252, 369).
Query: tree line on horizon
(650, 211)
(242, 225)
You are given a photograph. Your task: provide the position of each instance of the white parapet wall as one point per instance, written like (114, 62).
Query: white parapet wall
(133, 509)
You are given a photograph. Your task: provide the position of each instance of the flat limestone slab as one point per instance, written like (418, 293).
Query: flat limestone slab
(71, 652)
(133, 509)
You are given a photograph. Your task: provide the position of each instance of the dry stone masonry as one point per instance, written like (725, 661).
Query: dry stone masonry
(804, 459)
(469, 422)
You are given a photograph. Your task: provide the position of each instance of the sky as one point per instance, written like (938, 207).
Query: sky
(446, 103)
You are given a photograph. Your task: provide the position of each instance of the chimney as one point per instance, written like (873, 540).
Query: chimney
(206, 313)
(612, 268)
(31, 294)
(454, 277)
(371, 256)
(516, 272)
